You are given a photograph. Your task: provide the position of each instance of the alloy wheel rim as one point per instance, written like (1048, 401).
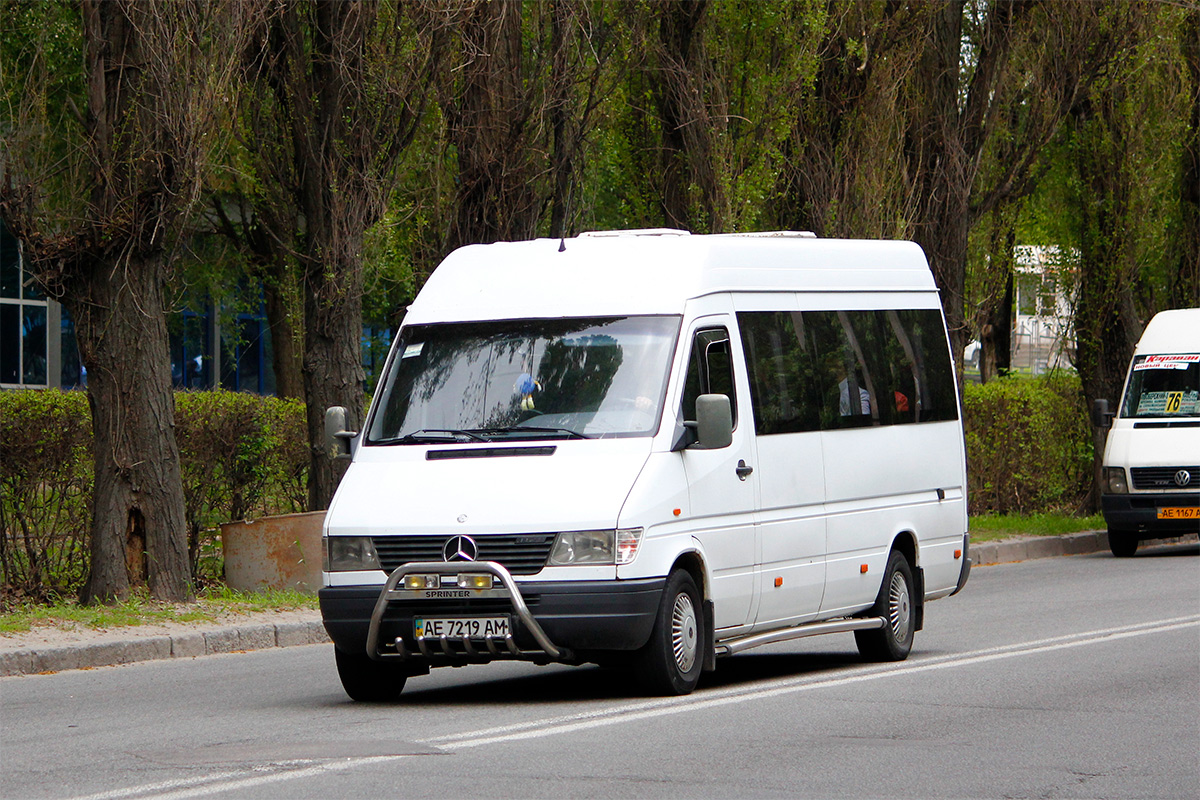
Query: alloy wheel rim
(684, 632)
(899, 606)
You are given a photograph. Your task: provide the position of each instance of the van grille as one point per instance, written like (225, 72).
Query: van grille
(520, 554)
(1160, 478)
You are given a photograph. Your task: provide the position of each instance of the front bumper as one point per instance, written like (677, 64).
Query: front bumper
(550, 621)
(1137, 513)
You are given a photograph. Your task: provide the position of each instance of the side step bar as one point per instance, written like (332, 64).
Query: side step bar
(730, 646)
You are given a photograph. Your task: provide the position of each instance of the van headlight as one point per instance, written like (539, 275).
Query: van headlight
(350, 554)
(595, 547)
(1114, 480)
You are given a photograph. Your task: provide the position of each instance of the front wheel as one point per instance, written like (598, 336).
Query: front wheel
(1122, 545)
(367, 680)
(670, 663)
(894, 603)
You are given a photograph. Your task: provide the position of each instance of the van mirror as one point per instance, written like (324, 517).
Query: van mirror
(337, 438)
(714, 421)
(1101, 416)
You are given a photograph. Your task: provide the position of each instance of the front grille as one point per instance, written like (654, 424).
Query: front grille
(1163, 478)
(520, 554)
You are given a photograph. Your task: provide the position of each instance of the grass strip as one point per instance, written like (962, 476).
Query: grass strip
(211, 605)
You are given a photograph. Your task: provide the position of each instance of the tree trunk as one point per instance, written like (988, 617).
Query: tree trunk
(333, 373)
(139, 533)
(1106, 323)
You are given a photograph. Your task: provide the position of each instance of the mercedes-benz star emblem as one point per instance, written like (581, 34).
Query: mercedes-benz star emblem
(1183, 478)
(460, 548)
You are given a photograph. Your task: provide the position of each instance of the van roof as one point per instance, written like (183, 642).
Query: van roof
(655, 272)
(1176, 331)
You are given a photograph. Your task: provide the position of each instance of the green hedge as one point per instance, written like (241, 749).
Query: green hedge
(1028, 450)
(1029, 446)
(242, 456)
(45, 491)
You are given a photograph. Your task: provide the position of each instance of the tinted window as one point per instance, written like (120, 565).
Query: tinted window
(825, 370)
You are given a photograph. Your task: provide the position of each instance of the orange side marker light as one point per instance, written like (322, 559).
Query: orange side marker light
(862, 569)
(778, 582)
(957, 554)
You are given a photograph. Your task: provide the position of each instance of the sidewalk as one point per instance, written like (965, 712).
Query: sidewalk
(52, 650)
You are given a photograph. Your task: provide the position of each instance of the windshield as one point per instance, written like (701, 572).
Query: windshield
(1164, 386)
(526, 379)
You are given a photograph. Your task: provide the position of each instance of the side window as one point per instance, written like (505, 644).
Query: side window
(932, 369)
(783, 382)
(710, 370)
(827, 370)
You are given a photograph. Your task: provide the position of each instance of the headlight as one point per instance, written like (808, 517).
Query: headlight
(595, 547)
(582, 547)
(1114, 479)
(350, 554)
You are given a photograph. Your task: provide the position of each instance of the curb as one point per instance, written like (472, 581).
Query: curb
(190, 644)
(1070, 544)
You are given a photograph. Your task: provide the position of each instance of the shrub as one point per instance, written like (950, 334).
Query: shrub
(45, 492)
(241, 456)
(1028, 444)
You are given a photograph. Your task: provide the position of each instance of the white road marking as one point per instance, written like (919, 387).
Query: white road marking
(237, 781)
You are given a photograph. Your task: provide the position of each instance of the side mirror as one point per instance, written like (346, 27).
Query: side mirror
(1101, 416)
(714, 421)
(337, 438)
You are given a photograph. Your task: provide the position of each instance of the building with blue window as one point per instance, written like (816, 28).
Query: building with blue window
(210, 347)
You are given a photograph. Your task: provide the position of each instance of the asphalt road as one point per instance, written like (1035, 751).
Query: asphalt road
(1057, 678)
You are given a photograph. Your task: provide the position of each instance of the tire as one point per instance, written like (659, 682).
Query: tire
(895, 604)
(671, 662)
(369, 681)
(1122, 544)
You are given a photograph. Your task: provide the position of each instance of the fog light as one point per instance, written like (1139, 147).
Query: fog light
(417, 581)
(474, 580)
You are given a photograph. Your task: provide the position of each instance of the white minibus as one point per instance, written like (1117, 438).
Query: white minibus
(651, 450)
(1151, 469)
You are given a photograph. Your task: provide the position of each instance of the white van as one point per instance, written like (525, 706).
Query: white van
(1151, 478)
(650, 449)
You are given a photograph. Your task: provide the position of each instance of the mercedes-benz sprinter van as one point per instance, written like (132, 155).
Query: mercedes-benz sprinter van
(649, 449)
(1151, 478)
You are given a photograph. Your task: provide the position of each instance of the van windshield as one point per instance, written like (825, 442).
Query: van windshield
(526, 379)
(1164, 386)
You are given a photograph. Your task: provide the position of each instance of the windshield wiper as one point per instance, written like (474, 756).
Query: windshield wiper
(513, 431)
(435, 436)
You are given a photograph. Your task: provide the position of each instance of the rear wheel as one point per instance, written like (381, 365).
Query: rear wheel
(367, 680)
(1122, 544)
(895, 604)
(671, 661)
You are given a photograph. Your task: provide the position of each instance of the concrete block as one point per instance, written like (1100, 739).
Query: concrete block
(222, 641)
(291, 634)
(187, 645)
(984, 553)
(57, 659)
(1044, 547)
(16, 662)
(151, 648)
(256, 637)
